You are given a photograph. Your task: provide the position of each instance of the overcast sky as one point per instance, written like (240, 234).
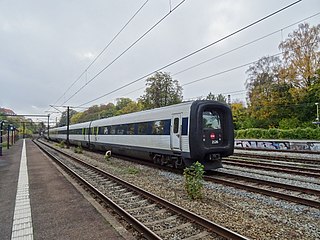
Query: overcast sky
(46, 45)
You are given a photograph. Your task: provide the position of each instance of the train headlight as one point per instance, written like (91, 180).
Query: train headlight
(212, 136)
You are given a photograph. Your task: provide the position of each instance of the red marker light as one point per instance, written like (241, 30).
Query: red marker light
(212, 136)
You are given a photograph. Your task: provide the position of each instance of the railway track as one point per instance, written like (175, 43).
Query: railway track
(263, 187)
(281, 191)
(309, 171)
(151, 216)
(281, 158)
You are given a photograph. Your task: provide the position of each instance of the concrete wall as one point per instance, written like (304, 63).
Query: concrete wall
(293, 145)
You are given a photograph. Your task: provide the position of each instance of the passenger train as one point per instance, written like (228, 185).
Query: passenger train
(176, 135)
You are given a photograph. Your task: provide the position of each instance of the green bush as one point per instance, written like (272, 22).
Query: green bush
(78, 149)
(289, 123)
(194, 180)
(274, 133)
(62, 144)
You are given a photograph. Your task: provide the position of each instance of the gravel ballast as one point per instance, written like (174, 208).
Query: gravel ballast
(252, 215)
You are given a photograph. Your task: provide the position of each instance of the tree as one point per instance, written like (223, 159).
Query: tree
(127, 105)
(108, 110)
(76, 118)
(282, 90)
(301, 62)
(122, 103)
(307, 109)
(63, 119)
(161, 91)
(95, 112)
(263, 85)
(300, 55)
(240, 114)
(219, 98)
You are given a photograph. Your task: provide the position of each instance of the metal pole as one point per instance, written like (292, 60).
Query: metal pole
(48, 126)
(24, 131)
(8, 137)
(68, 122)
(12, 135)
(317, 119)
(1, 126)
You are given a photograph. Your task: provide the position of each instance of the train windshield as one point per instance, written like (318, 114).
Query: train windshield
(211, 119)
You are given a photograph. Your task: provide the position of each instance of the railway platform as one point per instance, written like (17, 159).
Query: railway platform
(37, 201)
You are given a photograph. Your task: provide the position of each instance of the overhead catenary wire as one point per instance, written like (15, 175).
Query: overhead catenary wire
(232, 50)
(103, 50)
(225, 71)
(127, 49)
(192, 53)
(237, 67)
(244, 45)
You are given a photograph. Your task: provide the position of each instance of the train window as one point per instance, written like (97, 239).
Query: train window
(130, 130)
(176, 125)
(184, 130)
(211, 119)
(106, 130)
(158, 127)
(121, 129)
(112, 130)
(143, 128)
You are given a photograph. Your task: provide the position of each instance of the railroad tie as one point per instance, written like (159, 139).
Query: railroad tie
(198, 236)
(161, 220)
(154, 213)
(139, 208)
(182, 226)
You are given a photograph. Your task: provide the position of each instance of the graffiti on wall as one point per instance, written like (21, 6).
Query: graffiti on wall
(278, 145)
(306, 146)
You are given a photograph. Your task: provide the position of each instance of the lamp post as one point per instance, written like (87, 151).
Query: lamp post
(317, 119)
(1, 130)
(8, 136)
(12, 128)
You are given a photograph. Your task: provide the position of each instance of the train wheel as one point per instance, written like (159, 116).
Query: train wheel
(178, 163)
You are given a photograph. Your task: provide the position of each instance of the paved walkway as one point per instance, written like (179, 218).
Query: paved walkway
(38, 202)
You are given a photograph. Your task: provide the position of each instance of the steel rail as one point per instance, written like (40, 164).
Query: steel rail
(280, 158)
(209, 225)
(270, 183)
(276, 150)
(307, 202)
(271, 168)
(276, 162)
(147, 233)
(262, 162)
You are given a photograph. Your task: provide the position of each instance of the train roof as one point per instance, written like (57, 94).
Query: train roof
(146, 115)
(158, 113)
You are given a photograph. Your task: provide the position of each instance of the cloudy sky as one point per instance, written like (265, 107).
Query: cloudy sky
(46, 45)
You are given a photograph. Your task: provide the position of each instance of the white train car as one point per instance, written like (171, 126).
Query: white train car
(78, 133)
(176, 135)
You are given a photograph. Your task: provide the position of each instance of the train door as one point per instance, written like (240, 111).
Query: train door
(95, 132)
(175, 132)
(83, 134)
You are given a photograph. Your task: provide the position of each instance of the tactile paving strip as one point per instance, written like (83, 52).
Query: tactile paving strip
(22, 221)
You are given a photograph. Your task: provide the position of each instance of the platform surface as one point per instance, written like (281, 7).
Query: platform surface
(38, 202)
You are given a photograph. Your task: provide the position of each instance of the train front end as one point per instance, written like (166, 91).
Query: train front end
(211, 133)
